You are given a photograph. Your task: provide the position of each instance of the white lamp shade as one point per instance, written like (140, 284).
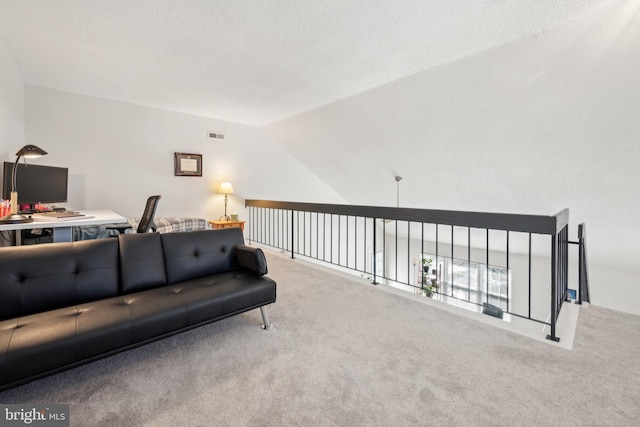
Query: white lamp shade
(225, 188)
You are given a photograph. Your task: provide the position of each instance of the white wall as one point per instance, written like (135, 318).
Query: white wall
(545, 123)
(11, 106)
(118, 154)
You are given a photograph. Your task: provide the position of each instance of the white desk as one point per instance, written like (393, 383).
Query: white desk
(62, 230)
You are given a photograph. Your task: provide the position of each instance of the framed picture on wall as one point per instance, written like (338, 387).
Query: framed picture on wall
(186, 164)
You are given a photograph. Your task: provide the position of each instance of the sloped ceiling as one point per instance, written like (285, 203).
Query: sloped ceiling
(533, 126)
(256, 62)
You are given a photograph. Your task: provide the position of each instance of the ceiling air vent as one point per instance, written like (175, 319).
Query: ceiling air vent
(216, 135)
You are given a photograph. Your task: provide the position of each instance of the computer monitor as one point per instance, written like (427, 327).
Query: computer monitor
(36, 183)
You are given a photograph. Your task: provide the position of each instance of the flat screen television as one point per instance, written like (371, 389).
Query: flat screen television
(36, 183)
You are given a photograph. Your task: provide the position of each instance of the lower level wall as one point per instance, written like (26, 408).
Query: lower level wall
(527, 297)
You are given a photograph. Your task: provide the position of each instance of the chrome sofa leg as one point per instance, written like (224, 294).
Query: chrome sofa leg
(266, 325)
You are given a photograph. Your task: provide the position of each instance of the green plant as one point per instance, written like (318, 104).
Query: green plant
(426, 264)
(429, 291)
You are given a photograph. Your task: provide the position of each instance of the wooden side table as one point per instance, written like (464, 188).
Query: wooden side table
(217, 224)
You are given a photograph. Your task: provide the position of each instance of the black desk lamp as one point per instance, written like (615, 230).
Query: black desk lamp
(28, 152)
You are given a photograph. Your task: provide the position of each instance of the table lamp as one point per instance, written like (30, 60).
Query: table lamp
(28, 152)
(226, 189)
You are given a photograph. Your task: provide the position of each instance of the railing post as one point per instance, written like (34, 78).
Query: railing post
(375, 270)
(580, 273)
(554, 304)
(565, 262)
(292, 233)
(583, 277)
(250, 224)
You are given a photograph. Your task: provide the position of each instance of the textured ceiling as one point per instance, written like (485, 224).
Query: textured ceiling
(252, 61)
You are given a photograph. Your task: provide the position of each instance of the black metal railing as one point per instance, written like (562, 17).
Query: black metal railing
(583, 279)
(560, 277)
(583, 274)
(377, 241)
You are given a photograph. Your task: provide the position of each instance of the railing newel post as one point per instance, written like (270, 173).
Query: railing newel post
(554, 296)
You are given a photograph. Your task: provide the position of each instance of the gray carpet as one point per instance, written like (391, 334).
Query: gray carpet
(346, 353)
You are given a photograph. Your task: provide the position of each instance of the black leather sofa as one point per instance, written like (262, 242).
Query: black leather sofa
(65, 304)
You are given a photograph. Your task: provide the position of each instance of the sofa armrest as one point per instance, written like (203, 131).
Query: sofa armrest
(251, 259)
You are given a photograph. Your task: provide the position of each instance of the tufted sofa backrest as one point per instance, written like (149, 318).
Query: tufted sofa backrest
(141, 262)
(43, 277)
(200, 253)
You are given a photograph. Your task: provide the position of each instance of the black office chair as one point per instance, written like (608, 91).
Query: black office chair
(146, 222)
